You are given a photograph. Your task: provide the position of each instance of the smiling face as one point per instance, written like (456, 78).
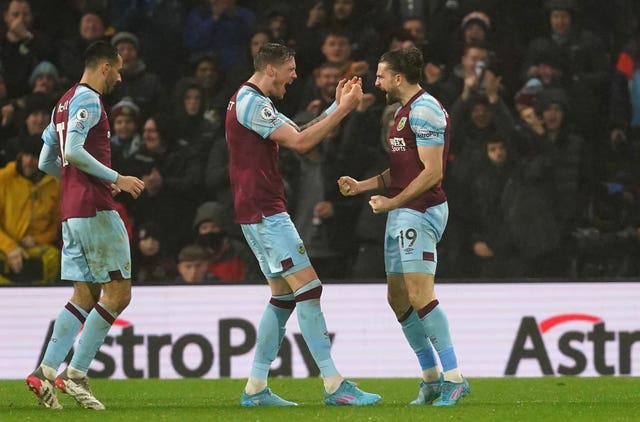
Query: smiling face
(560, 21)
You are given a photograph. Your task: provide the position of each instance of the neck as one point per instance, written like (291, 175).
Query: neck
(93, 80)
(262, 81)
(407, 93)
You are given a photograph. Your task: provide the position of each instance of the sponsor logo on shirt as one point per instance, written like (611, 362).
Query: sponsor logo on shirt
(424, 133)
(397, 144)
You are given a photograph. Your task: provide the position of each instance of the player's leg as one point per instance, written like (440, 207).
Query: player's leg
(399, 236)
(338, 391)
(272, 325)
(68, 322)
(436, 325)
(286, 257)
(413, 331)
(106, 249)
(419, 267)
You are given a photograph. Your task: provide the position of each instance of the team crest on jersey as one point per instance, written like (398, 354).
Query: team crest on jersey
(82, 114)
(401, 124)
(301, 249)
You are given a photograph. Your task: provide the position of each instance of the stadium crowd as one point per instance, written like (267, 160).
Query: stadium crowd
(543, 173)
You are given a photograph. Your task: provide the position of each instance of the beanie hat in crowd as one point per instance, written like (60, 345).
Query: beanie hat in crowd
(125, 107)
(125, 37)
(44, 68)
(528, 94)
(210, 211)
(568, 5)
(478, 17)
(150, 229)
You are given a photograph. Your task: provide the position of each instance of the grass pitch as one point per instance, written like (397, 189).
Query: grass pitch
(495, 399)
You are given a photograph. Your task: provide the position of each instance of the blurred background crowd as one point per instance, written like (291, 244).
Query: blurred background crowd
(542, 175)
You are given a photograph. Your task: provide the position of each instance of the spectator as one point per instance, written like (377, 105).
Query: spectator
(490, 239)
(92, 27)
(192, 265)
(279, 25)
(193, 130)
(222, 27)
(447, 90)
(623, 144)
(158, 25)
(244, 68)
(173, 178)
(44, 82)
(38, 107)
(138, 81)
(474, 29)
(22, 47)
(206, 72)
(29, 218)
(587, 59)
(151, 264)
(318, 97)
(126, 139)
(230, 259)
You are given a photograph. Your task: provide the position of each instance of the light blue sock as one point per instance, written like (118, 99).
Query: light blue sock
(65, 330)
(436, 326)
(313, 326)
(95, 330)
(414, 333)
(270, 334)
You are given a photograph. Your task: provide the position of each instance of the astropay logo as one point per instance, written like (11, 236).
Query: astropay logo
(581, 347)
(119, 351)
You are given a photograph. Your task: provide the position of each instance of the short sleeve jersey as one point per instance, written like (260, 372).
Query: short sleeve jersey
(256, 181)
(80, 110)
(421, 122)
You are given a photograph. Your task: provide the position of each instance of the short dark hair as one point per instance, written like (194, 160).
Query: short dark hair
(98, 51)
(272, 53)
(406, 61)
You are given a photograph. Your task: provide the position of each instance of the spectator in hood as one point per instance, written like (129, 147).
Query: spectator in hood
(230, 259)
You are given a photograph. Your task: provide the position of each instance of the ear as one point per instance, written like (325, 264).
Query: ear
(104, 68)
(270, 70)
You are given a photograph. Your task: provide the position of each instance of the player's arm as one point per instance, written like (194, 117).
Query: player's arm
(431, 157)
(349, 186)
(331, 108)
(84, 113)
(49, 161)
(302, 141)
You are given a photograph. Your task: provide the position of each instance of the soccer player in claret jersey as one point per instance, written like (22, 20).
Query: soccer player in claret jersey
(254, 130)
(95, 252)
(417, 215)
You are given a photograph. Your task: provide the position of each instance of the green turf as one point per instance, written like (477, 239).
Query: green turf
(503, 399)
